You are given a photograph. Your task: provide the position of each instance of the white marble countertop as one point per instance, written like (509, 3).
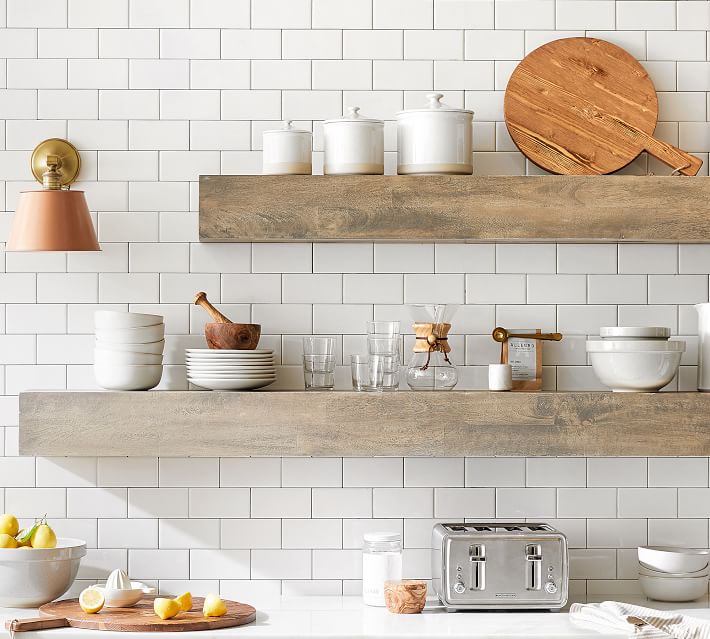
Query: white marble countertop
(348, 618)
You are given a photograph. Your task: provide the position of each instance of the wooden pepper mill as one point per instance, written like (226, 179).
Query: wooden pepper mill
(225, 334)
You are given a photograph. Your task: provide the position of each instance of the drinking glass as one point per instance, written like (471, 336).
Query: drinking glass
(319, 363)
(387, 349)
(367, 372)
(379, 328)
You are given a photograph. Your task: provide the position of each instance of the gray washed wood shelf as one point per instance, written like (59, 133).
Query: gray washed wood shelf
(599, 208)
(456, 423)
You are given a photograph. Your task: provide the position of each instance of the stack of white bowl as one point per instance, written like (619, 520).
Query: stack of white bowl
(129, 350)
(222, 369)
(637, 359)
(671, 573)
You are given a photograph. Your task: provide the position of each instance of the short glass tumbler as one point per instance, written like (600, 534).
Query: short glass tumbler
(319, 363)
(367, 372)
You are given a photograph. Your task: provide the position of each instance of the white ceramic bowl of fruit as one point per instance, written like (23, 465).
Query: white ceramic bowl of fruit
(35, 566)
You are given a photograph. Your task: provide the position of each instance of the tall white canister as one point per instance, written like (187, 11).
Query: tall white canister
(703, 347)
(287, 151)
(435, 139)
(354, 145)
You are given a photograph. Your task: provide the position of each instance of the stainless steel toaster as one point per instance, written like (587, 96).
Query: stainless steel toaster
(487, 565)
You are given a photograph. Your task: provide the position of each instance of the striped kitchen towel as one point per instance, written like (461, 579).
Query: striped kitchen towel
(641, 622)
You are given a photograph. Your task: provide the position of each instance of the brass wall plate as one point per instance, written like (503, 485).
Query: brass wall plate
(65, 151)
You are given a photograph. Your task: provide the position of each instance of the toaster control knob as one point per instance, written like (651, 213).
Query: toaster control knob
(459, 588)
(550, 587)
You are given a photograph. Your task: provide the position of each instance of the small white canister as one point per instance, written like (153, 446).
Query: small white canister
(287, 151)
(381, 561)
(354, 145)
(435, 139)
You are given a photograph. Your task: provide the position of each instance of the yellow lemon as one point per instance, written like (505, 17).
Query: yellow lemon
(166, 608)
(44, 537)
(6, 541)
(214, 606)
(91, 600)
(9, 525)
(184, 601)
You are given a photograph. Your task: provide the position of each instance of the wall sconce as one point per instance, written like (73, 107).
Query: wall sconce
(55, 218)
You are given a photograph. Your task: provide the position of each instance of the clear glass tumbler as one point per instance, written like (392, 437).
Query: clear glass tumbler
(319, 363)
(380, 328)
(386, 348)
(367, 372)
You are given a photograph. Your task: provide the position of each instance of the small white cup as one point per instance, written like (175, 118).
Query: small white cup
(500, 377)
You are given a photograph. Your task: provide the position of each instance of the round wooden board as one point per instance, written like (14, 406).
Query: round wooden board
(141, 618)
(569, 102)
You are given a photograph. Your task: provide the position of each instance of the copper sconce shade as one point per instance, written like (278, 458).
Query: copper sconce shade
(55, 218)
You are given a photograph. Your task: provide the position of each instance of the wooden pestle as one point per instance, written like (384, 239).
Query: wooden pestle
(201, 300)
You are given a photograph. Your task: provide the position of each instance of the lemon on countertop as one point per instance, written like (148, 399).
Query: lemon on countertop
(214, 606)
(44, 537)
(9, 525)
(184, 601)
(91, 600)
(166, 608)
(7, 541)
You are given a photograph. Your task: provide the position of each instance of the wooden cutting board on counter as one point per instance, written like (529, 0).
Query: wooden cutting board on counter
(138, 618)
(583, 106)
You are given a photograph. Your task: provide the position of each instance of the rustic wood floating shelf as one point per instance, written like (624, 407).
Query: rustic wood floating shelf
(599, 208)
(456, 423)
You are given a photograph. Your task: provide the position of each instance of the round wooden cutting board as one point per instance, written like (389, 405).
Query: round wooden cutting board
(582, 106)
(141, 618)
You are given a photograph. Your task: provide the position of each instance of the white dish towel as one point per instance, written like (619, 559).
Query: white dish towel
(641, 622)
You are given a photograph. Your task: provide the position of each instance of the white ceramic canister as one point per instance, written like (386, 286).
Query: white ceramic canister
(354, 145)
(435, 139)
(381, 561)
(287, 151)
(703, 347)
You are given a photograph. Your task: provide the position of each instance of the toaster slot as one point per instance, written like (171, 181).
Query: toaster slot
(477, 559)
(533, 567)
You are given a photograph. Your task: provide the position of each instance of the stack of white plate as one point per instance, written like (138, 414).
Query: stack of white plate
(129, 350)
(671, 573)
(230, 369)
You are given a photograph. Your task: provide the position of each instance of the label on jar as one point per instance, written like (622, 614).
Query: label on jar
(522, 356)
(376, 569)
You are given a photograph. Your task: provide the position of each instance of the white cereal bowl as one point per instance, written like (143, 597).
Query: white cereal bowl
(104, 356)
(30, 577)
(635, 366)
(128, 377)
(673, 589)
(673, 559)
(142, 335)
(154, 348)
(120, 319)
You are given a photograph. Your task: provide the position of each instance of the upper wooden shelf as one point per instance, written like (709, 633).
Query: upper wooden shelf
(349, 424)
(601, 208)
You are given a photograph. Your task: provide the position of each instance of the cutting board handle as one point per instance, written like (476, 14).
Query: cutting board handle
(35, 623)
(683, 162)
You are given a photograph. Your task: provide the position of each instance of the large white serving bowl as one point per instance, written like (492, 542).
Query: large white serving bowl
(673, 559)
(128, 377)
(635, 366)
(105, 356)
(635, 332)
(155, 348)
(143, 335)
(30, 577)
(674, 589)
(120, 319)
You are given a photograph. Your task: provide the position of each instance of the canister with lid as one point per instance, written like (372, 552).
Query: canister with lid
(287, 151)
(381, 561)
(354, 145)
(435, 139)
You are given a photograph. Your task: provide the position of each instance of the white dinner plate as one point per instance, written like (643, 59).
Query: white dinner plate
(231, 384)
(217, 352)
(232, 371)
(229, 360)
(218, 376)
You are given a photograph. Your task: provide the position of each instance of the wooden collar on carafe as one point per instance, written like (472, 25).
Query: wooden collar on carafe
(431, 337)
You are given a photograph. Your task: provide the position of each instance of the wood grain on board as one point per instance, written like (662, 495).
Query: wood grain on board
(584, 106)
(440, 424)
(280, 208)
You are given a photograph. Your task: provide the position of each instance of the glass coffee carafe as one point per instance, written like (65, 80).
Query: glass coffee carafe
(430, 365)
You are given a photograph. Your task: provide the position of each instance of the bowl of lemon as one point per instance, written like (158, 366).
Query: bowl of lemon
(35, 566)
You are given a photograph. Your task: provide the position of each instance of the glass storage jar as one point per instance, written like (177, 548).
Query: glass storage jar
(381, 561)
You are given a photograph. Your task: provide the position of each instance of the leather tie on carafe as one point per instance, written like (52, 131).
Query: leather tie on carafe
(435, 343)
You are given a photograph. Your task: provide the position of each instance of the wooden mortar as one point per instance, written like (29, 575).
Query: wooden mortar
(407, 596)
(225, 334)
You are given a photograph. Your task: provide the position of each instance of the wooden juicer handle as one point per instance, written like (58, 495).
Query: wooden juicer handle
(201, 300)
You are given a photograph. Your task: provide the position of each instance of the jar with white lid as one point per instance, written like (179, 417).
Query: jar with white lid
(287, 151)
(435, 139)
(354, 145)
(381, 561)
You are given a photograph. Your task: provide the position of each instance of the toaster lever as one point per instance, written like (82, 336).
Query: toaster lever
(477, 557)
(533, 567)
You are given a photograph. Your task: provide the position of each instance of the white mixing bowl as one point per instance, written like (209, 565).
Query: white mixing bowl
(155, 348)
(30, 577)
(143, 335)
(105, 356)
(673, 559)
(674, 588)
(127, 377)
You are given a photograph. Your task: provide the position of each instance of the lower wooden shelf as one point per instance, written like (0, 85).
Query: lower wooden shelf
(349, 424)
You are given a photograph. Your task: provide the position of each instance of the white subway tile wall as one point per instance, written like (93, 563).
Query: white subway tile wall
(157, 92)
